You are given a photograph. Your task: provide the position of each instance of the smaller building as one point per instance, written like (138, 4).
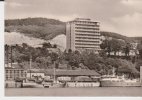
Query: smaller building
(35, 73)
(14, 73)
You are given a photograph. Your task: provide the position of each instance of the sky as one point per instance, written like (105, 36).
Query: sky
(120, 16)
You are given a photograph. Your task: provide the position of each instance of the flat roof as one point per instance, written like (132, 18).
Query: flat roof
(60, 72)
(83, 20)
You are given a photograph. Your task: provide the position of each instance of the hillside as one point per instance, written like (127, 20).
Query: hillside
(139, 39)
(36, 27)
(117, 36)
(48, 29)
(17, 38)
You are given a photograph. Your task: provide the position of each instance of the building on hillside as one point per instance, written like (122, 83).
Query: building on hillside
(14, 73)
(134, 45)
(54, 50)
(83, 34)
(12, 65)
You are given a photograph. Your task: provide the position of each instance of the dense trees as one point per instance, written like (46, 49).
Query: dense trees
(139, 47)
(106, 46)
(115, 46)
(22, 53)
(43, 58)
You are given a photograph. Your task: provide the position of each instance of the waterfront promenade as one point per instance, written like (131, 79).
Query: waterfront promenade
(97, 91)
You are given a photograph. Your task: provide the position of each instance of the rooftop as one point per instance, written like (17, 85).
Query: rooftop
(85, 20)
(59, 72)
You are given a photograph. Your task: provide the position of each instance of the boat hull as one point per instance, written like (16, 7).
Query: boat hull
(83, 84)
(119, 84)
(32, 85)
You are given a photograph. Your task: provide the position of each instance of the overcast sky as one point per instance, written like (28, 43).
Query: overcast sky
(121, 16)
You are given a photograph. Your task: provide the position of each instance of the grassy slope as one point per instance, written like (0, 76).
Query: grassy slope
(36, 27)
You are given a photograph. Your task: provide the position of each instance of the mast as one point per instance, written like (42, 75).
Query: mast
(30, 65)
(141, 75)
(54, 74)
(113, 71)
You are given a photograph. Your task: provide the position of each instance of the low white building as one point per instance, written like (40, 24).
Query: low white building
(32, 74)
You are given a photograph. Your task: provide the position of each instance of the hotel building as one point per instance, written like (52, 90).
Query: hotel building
(83, 34)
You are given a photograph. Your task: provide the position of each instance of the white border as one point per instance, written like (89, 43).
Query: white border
(1, 49)
(2, 93)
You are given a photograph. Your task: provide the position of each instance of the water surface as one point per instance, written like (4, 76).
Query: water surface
(97, 91)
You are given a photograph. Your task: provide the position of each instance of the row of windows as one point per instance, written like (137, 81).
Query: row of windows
(94, 33)
(10, 75)
(86, 25)
(88, 34)
(87, 28)
(85, 31)
(85, 47)
(87, 44)
(87, 22)
(87, 38)
(14, 71)
(87, 41)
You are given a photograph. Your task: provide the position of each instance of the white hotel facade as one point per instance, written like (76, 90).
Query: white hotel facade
(83, 34)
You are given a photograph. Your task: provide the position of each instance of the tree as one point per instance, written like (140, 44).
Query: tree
(6, 53)
(46, 45)
(127, 49)
(139, 47)
(24, 45)
(113, 45)
(54, 46)
(102, 53)
(116, 45)
(43, 62)
(54, 56)
(106, 46)
(138, 64)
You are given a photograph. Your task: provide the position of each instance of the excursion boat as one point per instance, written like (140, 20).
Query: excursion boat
(83, 81)
(118, 81)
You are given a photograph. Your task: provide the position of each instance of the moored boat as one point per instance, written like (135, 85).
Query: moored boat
(116, 81)
(32, 85)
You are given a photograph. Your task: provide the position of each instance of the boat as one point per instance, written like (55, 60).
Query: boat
(52, 84)
(118, 81)
(32, 85)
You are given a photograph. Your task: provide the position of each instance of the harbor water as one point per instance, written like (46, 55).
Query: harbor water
(97, 91)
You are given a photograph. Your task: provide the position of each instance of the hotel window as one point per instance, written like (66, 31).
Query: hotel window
(6, 71)
(6, 77)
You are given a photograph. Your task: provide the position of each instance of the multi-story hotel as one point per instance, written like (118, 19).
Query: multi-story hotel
(83, 34)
